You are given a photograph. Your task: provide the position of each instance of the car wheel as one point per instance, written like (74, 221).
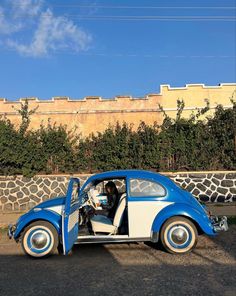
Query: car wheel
(178, 235)
(39, 239)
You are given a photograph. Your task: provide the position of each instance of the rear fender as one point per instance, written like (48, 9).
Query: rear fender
(199, 217)
(32, 216)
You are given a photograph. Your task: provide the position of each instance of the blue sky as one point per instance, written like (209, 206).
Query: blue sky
(67, 48)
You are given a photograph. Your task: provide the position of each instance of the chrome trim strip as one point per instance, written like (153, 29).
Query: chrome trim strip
(108, 239)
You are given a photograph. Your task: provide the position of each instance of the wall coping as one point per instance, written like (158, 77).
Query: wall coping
(163, 87)
(86, 174)
(198, 172)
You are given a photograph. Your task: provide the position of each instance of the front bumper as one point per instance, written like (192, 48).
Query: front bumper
(219, 224)
(11, 230)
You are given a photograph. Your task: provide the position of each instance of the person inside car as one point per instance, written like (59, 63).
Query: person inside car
(112, 199)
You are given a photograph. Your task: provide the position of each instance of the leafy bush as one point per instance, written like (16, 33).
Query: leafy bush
(177, 144)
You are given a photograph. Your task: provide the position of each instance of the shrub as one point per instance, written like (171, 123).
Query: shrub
(177, 144)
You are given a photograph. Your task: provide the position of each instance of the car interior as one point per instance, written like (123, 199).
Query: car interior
(94, 214)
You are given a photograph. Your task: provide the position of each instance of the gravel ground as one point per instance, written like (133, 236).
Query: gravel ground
(122, 269)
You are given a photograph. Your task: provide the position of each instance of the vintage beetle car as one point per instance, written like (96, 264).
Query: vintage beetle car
(151, 208)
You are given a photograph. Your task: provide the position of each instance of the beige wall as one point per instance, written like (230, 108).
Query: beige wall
(93, 114)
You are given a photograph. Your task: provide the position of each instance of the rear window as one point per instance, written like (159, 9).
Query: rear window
(143, 187)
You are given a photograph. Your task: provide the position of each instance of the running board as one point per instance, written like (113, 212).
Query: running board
(89, 239)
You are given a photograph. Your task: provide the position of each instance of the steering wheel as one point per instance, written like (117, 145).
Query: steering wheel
(91, 201)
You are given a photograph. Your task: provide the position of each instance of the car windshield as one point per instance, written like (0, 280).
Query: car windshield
(88, 187)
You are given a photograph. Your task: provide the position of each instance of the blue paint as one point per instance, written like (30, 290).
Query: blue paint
(186, 211)
(71, 206)
(51, 203)
(183, 204)
(31, 216)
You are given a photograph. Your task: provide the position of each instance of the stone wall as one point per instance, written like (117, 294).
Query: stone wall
(210, 186)
(21, 193)
(93, 114)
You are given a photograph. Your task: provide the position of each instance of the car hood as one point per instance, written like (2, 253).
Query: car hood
(46, 204)
(51, 203)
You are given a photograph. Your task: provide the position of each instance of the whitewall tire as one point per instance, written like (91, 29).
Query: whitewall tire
(39, 239)
(178, 235)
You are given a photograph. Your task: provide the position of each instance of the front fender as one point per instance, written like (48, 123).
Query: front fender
(186, 211)
(32, 216)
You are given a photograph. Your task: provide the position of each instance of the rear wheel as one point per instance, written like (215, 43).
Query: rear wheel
(178, 235)
(40, 239)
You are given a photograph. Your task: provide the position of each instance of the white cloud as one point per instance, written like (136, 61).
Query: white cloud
(27, 7)
(7, 27)
(48, 32)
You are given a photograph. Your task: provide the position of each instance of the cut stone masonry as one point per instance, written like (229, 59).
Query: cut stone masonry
(20, 193)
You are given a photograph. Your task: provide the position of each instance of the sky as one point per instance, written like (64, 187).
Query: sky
(105, 48)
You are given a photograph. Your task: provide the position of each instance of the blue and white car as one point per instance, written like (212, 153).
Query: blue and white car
(151, 208)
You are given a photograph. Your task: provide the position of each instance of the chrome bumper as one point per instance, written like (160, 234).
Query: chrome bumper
(11, 230)
(219, 224)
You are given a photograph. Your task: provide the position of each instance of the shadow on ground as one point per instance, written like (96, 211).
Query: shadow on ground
(123, 269)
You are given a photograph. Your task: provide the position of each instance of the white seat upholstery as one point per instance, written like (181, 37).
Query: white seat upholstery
(102, 223)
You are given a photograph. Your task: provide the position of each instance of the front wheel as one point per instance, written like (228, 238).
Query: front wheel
(40, 239)
(178, 235)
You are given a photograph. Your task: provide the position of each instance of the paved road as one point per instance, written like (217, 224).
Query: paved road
(123, 269)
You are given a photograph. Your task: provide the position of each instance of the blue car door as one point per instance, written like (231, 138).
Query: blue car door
(70, 219)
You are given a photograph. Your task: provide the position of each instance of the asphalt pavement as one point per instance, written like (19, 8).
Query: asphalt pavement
(122, 269)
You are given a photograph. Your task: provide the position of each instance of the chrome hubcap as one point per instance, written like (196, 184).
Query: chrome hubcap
(39, 240)
(179, 235)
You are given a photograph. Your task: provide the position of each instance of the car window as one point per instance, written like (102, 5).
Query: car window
(120, 185)
(142, 187)
(74, 196)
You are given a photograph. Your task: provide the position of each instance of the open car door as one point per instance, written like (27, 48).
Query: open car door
(70, 218)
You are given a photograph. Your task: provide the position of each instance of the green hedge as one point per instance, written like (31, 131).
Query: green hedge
(178, 144)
